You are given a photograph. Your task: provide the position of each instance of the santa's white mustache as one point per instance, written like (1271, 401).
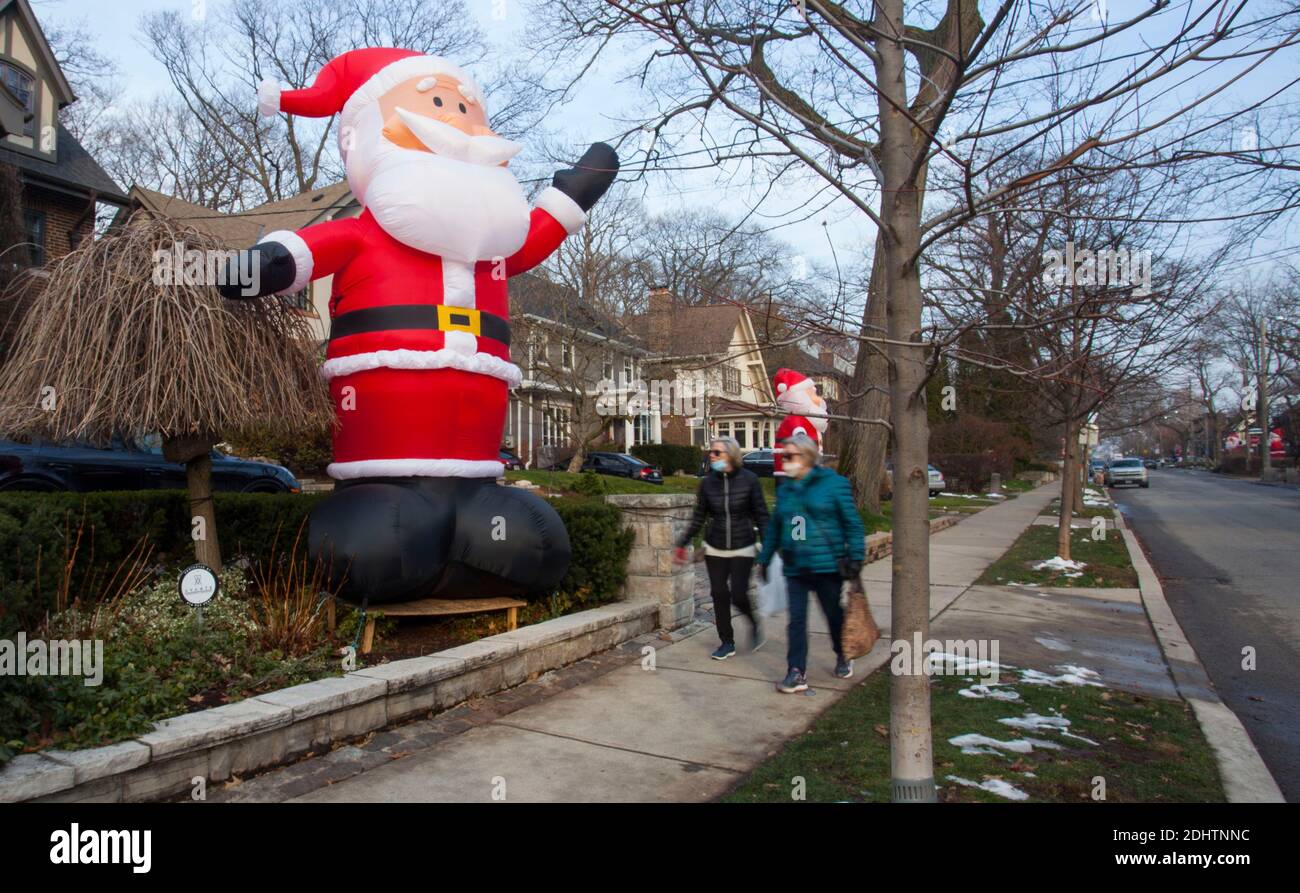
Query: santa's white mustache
(451, 142)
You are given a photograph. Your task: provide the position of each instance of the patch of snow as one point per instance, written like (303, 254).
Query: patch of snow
(1053, 644)
(959, 665)
(993, 786)
(970, 742)
(1014, 583)
(1057, 563)
(982, 691)
(994, 496)
(1070, 675)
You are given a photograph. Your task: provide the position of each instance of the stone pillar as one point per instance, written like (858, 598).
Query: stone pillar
(657, 520)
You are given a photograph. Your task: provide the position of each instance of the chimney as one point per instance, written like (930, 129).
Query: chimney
(659, 327)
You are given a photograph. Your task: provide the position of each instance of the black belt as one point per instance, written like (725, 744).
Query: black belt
(440, 317)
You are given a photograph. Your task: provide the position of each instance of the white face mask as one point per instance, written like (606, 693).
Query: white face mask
(794, 467)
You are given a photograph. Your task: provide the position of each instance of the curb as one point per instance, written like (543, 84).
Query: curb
(1245, 777)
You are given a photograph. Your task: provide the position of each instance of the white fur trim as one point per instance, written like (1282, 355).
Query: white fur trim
(461, 342)
(457, 283)
(268, 97)
(430, 468)
(799, 430)
(482, 363)
(302, 259)
(564, 209)
(395, 73)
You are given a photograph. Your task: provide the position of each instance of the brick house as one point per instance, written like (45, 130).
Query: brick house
(62, 185)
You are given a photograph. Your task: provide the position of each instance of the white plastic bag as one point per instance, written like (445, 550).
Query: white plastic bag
(772, 597)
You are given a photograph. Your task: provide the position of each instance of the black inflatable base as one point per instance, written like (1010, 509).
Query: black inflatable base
(400, 539)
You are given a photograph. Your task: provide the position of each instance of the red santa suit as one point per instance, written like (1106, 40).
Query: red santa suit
(796, 394)
(418, 361)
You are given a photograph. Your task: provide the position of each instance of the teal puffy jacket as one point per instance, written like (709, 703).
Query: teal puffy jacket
(814, 524)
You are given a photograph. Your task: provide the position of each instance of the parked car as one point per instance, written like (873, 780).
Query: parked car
(760, 462)
(510, 460)
(1150, 463)
(127, 464)
(937, 483)
(622, 465)
(1127, 471)
(936, 480)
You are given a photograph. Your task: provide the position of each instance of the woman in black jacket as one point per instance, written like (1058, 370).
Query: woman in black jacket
(731, 498)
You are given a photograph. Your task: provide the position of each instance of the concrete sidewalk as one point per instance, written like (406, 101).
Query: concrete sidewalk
(686, 730)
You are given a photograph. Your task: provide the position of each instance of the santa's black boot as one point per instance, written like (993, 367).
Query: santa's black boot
(385, 540)
(507, 542)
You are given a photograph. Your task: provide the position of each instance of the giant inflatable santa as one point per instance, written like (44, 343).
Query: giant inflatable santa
(418, 361)
(796, 395)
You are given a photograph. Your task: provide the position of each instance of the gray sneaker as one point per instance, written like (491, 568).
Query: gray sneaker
(844, 668)
(794, 681)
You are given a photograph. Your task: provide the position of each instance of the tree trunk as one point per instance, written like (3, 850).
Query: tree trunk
(862, 457)
(1069, 484)
(911, 756)
(196, 452)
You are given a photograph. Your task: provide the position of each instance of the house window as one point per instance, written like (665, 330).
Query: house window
(607, 369)
(566, 354)
(299, 300)
(641, 429)
(35, 224)
(555, 426)
(742, 434)
(724, 429)
(731, 379)
(23, 86)
(627, 370)
(767, 435)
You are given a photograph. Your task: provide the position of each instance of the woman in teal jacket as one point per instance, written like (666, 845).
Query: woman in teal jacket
(819, 532)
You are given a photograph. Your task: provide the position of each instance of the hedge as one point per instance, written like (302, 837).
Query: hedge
(37, 528)
(670, 458)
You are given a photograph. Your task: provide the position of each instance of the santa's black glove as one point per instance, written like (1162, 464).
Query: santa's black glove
(264, 269)
(587, 181)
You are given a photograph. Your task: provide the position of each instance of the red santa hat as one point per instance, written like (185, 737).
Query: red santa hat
(350, 82)
(787, 381)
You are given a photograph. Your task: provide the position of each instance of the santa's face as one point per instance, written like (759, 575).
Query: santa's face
(424, 161)
(805, 401)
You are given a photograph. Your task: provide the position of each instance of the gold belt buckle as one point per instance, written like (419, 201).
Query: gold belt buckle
(458, 319)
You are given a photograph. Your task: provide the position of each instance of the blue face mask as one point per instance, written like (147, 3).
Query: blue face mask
(719, 464)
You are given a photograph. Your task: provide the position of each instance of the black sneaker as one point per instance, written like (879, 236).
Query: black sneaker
(759, 637)
(724, 651)
(794, 681)
(844, 668)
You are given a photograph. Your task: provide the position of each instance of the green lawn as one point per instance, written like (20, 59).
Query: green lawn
(1107, 561)
(1147, 750)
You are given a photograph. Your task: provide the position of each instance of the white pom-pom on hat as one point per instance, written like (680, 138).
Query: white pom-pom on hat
(268, 97)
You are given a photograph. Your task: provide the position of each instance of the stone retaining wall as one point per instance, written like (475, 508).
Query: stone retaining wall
(279, 726)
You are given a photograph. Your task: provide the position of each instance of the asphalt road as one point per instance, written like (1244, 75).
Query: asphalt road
(1228, 555)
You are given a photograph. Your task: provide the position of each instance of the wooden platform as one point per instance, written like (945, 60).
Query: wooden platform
(434, 607)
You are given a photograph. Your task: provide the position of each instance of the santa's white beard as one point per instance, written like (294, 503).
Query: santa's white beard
(454, 209)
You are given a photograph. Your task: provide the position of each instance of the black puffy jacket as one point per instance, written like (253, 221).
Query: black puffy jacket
(735, 507)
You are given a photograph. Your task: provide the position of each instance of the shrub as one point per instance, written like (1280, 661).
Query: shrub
(305, 454)
(971, 472)
(601, 546)
(670, 457)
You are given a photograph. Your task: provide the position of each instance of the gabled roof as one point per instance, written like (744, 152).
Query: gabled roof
(74, 168)
(535, 295)
(700, 330)
(240, 230)
(63, 89)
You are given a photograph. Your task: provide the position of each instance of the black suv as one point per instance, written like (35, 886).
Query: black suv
(760, 462)
(622, 465)
(127, 464)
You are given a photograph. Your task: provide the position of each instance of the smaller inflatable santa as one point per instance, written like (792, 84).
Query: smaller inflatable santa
(797, 395)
